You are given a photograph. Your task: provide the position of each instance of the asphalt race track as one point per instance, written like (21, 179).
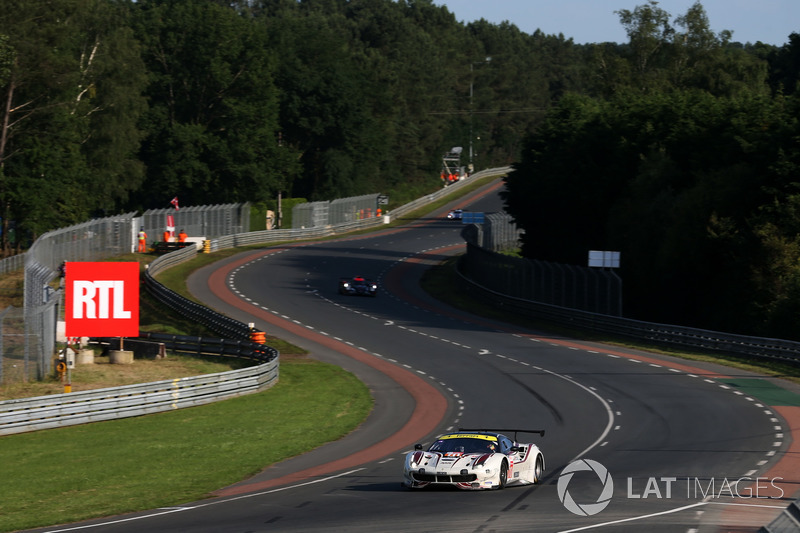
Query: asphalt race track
(669, 445)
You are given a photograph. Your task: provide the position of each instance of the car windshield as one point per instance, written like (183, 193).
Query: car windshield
(464, 445)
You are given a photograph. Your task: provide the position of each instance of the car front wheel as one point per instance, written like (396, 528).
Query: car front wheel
(503, 476)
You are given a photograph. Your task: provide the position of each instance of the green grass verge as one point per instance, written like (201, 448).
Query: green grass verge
(75, 473)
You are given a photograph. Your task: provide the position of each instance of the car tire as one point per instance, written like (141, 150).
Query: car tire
(538, 469)
(503, 476)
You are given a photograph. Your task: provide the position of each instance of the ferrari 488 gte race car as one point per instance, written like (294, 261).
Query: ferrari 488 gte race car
(358, 285)
(475, 460)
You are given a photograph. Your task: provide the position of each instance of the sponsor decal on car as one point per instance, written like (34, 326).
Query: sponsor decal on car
(468, 436)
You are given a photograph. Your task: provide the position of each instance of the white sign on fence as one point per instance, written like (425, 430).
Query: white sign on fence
(603, 259)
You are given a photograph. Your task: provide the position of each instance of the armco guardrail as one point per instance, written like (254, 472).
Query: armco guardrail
(663, 334)
(60, 410)
(261, 353)
(218, 323)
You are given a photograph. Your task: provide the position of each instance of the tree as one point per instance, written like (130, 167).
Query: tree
(649, 31)
(785, 66)
(71, 95)
(698, 192)
(212, 130)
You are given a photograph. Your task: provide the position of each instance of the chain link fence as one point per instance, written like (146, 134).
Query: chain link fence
(310, 215)
(15, 364)
(208, 222)
(346, 210)
(497, 233)
(88, 241)
(340, 211)
(11, 264)
(571, 286)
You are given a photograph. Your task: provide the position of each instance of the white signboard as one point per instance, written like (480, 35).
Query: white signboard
(603, 259)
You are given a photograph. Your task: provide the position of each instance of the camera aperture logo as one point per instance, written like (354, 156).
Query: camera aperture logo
(586, 509)
(700, 488)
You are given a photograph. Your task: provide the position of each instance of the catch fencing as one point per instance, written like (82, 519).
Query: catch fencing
(60, 410)
(206, 221)
(497, 233)
(334, 212)
(16, 363)
(88, 241)
(11, 264)
(28, 335)
(573, 286)
(310, 215)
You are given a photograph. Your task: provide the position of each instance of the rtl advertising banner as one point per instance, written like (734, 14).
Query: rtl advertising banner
(102, 299)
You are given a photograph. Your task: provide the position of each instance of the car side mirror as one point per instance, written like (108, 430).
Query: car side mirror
(418, 446)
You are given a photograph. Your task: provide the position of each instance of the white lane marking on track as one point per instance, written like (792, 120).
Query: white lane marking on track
(486, 352)
(201, 505)
(668, 511)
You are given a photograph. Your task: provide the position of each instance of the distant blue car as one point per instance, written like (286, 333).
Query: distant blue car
(455, 214)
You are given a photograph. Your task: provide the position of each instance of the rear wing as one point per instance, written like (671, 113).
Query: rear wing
(514, 431)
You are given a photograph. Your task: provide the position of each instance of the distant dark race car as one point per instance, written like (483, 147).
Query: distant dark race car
(359, 286)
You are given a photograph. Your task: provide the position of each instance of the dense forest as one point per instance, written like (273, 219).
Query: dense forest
(678, 148)
(687, 161)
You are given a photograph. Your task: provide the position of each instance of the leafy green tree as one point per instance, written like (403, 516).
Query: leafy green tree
(71, 93)
(326, 106)
(368, 91)
(212, 130)
(649, 30)
(785, 66)
(561, 188)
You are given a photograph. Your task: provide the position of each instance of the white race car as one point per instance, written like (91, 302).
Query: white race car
(473, 459)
